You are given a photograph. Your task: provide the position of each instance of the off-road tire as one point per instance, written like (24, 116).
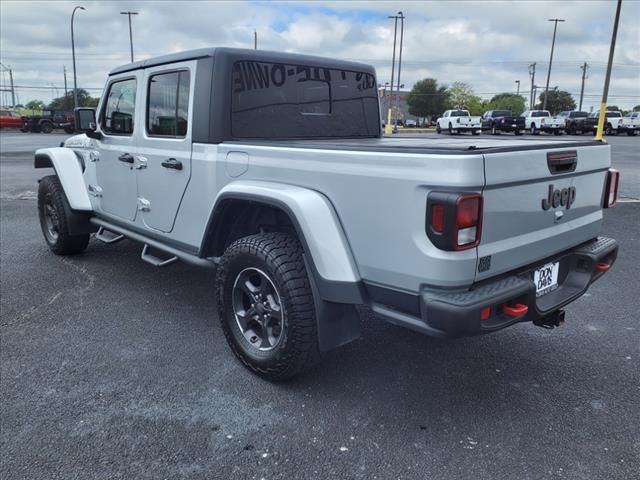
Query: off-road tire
(450, 129)
(494, 130)
(279, 256)
(51, 196)
(533, 130)
(438, 129)
(46, 127)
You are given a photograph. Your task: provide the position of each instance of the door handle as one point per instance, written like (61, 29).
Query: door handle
(172, 163)
(126, 158)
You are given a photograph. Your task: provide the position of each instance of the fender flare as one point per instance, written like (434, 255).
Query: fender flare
(335, 281)
(68, 169)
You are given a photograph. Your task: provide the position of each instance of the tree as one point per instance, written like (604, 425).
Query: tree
(65, 102)
(427, 98)
(507, 101)
(37, 105)
(477, 106)
(613, 108)
(636, 108)
(461, 95)
(559, 101)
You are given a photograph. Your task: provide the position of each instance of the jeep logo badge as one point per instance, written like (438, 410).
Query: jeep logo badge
(556, 198)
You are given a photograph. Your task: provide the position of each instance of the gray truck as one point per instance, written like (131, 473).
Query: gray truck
(271, 169)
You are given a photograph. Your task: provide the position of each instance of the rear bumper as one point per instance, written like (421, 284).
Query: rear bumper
(507, 127)
(456, 314)
(552, 128)
(467, 128)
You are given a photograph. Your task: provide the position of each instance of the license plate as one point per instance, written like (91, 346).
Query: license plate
(514, 125)
(546, 278)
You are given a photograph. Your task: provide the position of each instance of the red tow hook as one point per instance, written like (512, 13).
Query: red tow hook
(602, 266)
(516, 311)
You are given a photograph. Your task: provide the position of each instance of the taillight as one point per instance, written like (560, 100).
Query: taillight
(611, 188)
(454, 220)
(468, 217)
(437, 218)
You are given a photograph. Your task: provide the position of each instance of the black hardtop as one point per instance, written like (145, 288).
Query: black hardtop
(232, 54)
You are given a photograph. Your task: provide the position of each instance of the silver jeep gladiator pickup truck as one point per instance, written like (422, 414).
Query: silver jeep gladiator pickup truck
(271, 168)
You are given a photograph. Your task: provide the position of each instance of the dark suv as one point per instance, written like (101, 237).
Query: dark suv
(573, 121)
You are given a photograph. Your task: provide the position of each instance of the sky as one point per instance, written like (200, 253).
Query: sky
(487, 44)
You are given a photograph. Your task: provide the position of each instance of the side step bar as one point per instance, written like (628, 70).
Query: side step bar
(100, 235)
(151, 243)
(155, 261)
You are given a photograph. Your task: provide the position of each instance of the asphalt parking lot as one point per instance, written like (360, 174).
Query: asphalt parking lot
(113, 369)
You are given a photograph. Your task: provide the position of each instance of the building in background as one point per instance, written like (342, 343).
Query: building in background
(398, 103)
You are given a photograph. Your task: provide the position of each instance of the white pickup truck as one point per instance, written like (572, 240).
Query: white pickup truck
(630, 124)
(541, 121)
(271, 169)
(458, 121)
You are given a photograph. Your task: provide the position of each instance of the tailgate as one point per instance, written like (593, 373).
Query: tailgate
(519, 226)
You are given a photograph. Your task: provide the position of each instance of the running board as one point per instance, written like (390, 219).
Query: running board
(100, 235)
(156, 261)
(151, 243)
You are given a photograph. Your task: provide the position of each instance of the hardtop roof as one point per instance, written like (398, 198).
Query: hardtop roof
(241, 54)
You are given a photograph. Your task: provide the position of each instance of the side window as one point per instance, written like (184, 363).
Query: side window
(119, 111)
(168, 104)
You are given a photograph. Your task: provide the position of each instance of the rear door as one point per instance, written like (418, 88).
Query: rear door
(540, 202)
(164, 150)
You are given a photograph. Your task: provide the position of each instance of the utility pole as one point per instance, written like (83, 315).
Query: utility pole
(13, 90)
(388, 128)
(518, 89)
(607, 78)
(64, 69)
(401, 15)
(130, 31)
(255, 39)
(584, 77)
(532, 74)
(553, 43)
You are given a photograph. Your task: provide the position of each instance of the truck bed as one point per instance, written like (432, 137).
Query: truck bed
(426, 145)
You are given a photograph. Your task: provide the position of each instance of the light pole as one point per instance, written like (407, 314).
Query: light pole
(73, 54)
(130, 33)
(553, 42)
(518, 89)
(388, 128)
(401, 15)
(605, 92)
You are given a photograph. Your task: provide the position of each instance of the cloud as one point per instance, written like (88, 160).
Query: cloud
(487, 44)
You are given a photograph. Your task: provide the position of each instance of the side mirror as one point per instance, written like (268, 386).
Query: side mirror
(85, 121)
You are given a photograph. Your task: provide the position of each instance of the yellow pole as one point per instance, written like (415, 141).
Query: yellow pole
(601, 119)
(388, 128)
(607, 78)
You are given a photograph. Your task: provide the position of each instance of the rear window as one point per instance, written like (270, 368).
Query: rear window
(502, 113)
(459, 113)
(613, 115)
(541, 113)
(277, 100)
(579, 114)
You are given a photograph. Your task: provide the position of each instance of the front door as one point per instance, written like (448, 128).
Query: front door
(164, 149)
(115, 164)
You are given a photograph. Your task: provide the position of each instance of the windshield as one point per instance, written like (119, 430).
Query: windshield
(277, 100)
